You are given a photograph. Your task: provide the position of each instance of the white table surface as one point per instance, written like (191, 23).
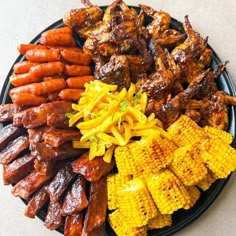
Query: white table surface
(22, 20)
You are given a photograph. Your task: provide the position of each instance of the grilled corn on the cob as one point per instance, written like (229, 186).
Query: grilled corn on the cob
(168, 192)
(215, 133)
(114, 182)
(219, 157)
(185, 131)
(160, 221)
(206, 183)
(194, 194)
(125, 161)
(122, 228)
(135, 202)
(188, 165)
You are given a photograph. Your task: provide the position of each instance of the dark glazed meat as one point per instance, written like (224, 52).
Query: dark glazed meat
(60, 182)
(43, 151)
(14, 148)
(116, 71)
(92, 170)
(36, 116)
(56, 138)
(7, 111)
(31, 183)
(74, 224)
(53, 218)
(36, 202)
(96, 212)
(18, 169)
(9, 133)
(75, 199)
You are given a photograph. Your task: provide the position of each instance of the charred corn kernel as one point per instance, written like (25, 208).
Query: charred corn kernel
(119, 224)
(114, 182)
(160, 221)
(215, 133)
(168, 192)
(135, 202)
(207, 181)
(194, 194)
(185, 131)
(219, 157)
(153, 153)
(188, 165)
(125, 161)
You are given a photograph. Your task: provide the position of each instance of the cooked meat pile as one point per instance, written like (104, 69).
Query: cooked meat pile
(173, 67)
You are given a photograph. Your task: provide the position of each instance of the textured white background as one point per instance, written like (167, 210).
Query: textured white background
(22, 20)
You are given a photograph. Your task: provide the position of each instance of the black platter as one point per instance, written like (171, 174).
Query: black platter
(181, 218)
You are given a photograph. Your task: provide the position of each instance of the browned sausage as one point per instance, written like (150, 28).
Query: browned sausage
(47, 86)
(70, 94)
(76, 57)
(77, 70)
(27, 99)
(78, 82)
(60, 48)
(62, 30)
(47, 69)
(22, 79)
(23, 48)
(42, 55)
(61, 39)
(23, 66)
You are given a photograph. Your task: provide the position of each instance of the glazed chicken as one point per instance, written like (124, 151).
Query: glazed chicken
(162, 61)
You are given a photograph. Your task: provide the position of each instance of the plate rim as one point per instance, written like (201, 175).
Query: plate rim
(219, 185)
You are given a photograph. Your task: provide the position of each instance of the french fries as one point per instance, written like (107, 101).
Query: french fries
(107, 117)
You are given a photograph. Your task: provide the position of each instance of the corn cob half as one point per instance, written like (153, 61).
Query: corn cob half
(114, 182)
(125, 161)
(219, 157)
(168, 192)
(135, 202)
(215, 133)
(206, 183)
(119, 224)
(160, 221)
(188, 165)
(185, 131)
(194, 194)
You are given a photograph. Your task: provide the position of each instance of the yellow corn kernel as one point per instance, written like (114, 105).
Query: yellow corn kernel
(206, 183)
(125, 161)
(119, 224)
(188, 165)
(215, 133)
(168, 192)
(219, 157)
(135, 202)
(194, 194)
(161, 150)
(114, 182)
(185, 131)
(160, 221)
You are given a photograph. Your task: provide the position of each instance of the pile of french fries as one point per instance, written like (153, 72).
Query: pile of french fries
(107, 118)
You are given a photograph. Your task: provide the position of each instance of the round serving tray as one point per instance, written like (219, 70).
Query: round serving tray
(181, 218)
